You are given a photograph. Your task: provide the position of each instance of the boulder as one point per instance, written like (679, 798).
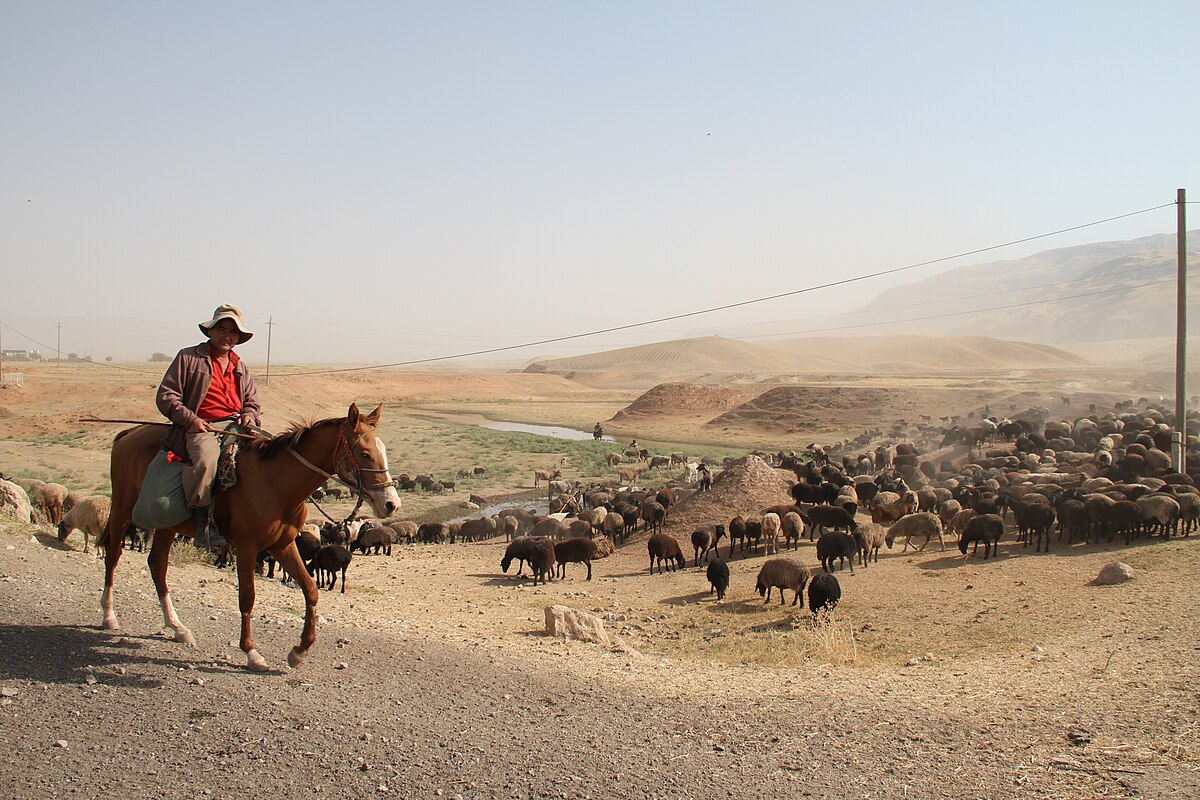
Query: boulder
(573, 624)
(1116, 572)
(14, 502)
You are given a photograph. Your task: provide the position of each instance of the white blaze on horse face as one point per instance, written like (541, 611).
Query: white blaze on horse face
(380, 498)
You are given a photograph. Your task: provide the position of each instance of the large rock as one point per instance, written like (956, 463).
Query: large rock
(14, 503)
(572, 624)
(1116, 572)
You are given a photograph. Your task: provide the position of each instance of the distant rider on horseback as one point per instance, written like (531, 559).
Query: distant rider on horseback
(206, 390)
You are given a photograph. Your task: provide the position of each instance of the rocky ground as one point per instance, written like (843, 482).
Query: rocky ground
(433, 677)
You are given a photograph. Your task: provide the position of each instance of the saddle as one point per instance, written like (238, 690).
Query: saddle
(161, 502)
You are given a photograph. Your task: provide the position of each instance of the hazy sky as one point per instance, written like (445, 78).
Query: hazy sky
(393, 180)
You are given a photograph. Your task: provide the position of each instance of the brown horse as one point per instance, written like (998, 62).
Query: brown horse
(263, 511)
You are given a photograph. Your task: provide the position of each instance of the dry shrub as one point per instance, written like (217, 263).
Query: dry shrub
(824, 640)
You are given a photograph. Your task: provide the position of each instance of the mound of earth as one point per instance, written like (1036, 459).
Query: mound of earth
(793, 409)
(669, 399)
(746, 487)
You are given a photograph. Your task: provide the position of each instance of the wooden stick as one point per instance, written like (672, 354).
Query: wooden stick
(249, 436)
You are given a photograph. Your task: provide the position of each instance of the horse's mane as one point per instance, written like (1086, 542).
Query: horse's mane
(269, 448)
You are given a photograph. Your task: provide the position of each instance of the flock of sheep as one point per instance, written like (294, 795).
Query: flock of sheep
(1091, 479)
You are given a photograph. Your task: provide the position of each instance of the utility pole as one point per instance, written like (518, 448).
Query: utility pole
(1179, 436)
(270, 325)
(58, 347)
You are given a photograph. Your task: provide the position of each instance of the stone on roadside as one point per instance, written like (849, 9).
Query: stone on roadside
(573, 624)
(1116, 572)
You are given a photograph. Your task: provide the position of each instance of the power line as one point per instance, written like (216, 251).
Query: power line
(739, 304)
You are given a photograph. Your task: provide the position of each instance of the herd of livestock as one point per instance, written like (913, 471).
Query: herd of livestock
(1068, 483)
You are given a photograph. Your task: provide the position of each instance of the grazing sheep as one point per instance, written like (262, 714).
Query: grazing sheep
(375, 537)
(831, 518)
(869, 537)
(579, 550)
(986, 528)
(947, 510)
(1160, 512)
(663, 547)
(704, 541)
(405, 530)
(90, 515)
(737, 532)
(884, 512)
(1034, 521)
(836, 544)
(923, 523)
(823, 593)
(614, 526)
(793, 528)
(540, 475)
(549, 527)
(49, 497)
(718, 577)
(433, 532)
(628, 476)
(328, 561)
(519, 549)
(782, 573)
(958, 522)
(653, 514)
(477, 529)
(770, 533)
(542, 560)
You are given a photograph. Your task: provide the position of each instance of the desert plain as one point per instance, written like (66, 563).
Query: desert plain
(937, 676)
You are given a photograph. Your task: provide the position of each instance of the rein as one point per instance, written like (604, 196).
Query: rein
(359, 489)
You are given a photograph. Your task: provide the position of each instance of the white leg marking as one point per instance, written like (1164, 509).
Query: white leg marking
(106, 605)
(171, 620)
(296, 658)
(256, 662)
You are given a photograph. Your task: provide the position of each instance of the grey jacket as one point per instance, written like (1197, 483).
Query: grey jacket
(183, 389)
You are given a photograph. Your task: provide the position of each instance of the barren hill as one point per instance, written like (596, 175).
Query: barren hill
(1088, 293)
(716, 359)
(683, 398)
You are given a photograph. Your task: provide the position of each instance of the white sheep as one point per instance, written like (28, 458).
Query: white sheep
(771, 526)
(923, 523)
(90, 515)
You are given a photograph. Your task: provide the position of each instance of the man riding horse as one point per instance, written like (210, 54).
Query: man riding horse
(206, 390)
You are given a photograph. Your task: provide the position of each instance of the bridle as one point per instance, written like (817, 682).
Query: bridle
(346, 457)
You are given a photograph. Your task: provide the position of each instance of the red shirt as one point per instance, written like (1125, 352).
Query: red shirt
(223, 399)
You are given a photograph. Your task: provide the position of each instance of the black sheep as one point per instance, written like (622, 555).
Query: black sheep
(718, 577)
(836, 544)
(705, 540)
(329, 560)
(987, 528)
(832, 518)
(823, 592)
(664, 547)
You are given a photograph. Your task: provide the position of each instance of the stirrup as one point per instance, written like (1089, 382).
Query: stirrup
(207, 535)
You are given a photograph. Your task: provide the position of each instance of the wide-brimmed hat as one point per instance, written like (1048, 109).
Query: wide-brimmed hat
(233, 314)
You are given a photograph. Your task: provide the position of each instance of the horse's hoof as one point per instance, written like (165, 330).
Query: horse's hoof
(296, 657)
(255, 662)
(184, 636)
(110, 624)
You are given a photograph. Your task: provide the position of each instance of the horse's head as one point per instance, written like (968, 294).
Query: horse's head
(367, 464)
